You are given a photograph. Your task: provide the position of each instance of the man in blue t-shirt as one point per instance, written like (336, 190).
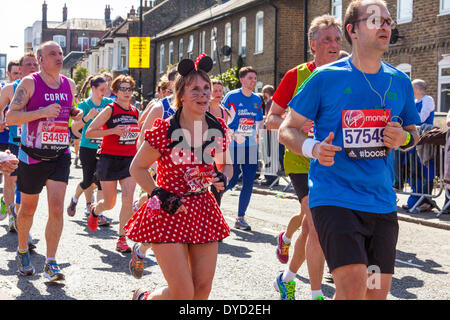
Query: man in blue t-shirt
(362, 108)
(245, 121)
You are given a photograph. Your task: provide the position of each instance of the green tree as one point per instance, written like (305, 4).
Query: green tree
(80, 75)
(230, 78)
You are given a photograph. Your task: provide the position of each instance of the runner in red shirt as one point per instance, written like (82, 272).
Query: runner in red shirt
(117, 124)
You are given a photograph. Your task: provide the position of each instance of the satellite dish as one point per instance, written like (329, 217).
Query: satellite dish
(226, 50)
(395, 36)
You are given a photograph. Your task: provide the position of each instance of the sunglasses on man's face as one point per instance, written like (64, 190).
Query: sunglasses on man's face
(125, 89)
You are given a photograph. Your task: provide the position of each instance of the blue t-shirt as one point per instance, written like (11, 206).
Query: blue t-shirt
(245, 112)
(358, 184)
(86, 106)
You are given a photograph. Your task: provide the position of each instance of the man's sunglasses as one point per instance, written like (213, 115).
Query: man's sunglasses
(377, 22)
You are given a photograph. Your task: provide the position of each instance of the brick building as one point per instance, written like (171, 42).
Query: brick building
(159, 15)
(261, 32)
(76, 34)
(422, 49)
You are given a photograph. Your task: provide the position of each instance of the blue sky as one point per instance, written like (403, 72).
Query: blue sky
(16, 15)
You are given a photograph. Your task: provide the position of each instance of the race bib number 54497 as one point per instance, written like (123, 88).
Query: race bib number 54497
(363, 132)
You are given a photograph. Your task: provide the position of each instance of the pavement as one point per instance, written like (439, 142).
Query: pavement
(424, 218)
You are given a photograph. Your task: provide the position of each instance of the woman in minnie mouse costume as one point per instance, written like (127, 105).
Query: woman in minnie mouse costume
(181, 219)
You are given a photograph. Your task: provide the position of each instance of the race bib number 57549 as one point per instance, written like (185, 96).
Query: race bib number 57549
(363, 132)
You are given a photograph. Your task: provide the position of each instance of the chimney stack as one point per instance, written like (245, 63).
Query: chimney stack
(65, 13)
(108, 15)
(44, 16)
(132, 13)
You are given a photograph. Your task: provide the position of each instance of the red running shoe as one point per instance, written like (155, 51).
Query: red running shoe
(122, 245)
(282, 249)
(92, 220)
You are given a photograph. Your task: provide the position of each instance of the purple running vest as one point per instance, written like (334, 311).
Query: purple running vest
(47, 133)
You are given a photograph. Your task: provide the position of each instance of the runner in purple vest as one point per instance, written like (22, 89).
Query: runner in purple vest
(42, 105)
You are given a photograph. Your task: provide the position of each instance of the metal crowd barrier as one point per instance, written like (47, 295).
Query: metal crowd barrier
(269, 156)
(419, 172)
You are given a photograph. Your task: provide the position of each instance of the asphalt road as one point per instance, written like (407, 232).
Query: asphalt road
(246, 266)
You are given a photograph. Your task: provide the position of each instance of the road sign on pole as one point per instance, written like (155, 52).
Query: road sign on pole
(139, 53)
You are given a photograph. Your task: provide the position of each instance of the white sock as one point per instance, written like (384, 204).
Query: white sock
(288, 275)
(286, 239)
(49, 259)
(75, 200)
(316, 293)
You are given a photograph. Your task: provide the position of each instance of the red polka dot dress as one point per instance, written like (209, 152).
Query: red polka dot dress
(180, 172)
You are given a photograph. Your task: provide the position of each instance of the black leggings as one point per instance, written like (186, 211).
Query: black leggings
(88, 158)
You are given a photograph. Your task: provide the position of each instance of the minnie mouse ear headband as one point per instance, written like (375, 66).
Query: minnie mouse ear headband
(203, 62)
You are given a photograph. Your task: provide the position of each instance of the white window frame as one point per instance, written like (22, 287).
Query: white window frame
(190, 47)
(259, 32)
(243, 36)
(214, 44)
(404, 19)
(227, 39)
(443, 11)
(180, 49)
(170, 52)
(94, 41)
(259, 87)
(336, 9)
(161, 58)
(443, 64)
(123, 56)
(405, 67)
(81, 41)
(60, 39)
(201, 42)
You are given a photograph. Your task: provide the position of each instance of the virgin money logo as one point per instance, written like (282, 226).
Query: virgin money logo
(354, 118)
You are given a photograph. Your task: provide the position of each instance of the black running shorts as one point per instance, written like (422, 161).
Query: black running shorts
(31, 178)
(88, 158)
(300, 184)
(113, 168)
(356, 237)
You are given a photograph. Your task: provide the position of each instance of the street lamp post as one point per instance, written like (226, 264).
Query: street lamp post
(140, 69)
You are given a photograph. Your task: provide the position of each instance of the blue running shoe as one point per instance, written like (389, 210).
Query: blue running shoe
(52, 271)
(25, 268)
(286, 289)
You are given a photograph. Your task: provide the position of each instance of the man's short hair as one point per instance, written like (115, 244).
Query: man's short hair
(245, 70)
(45, 44)
(420, 84)
(352, 14)
(13, 63)
(268, 89)
(26, 55)
(323, 21)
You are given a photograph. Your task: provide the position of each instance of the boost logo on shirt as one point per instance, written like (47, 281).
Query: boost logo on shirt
(363, 132)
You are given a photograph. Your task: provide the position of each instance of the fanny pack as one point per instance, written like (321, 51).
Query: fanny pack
(43, 154)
